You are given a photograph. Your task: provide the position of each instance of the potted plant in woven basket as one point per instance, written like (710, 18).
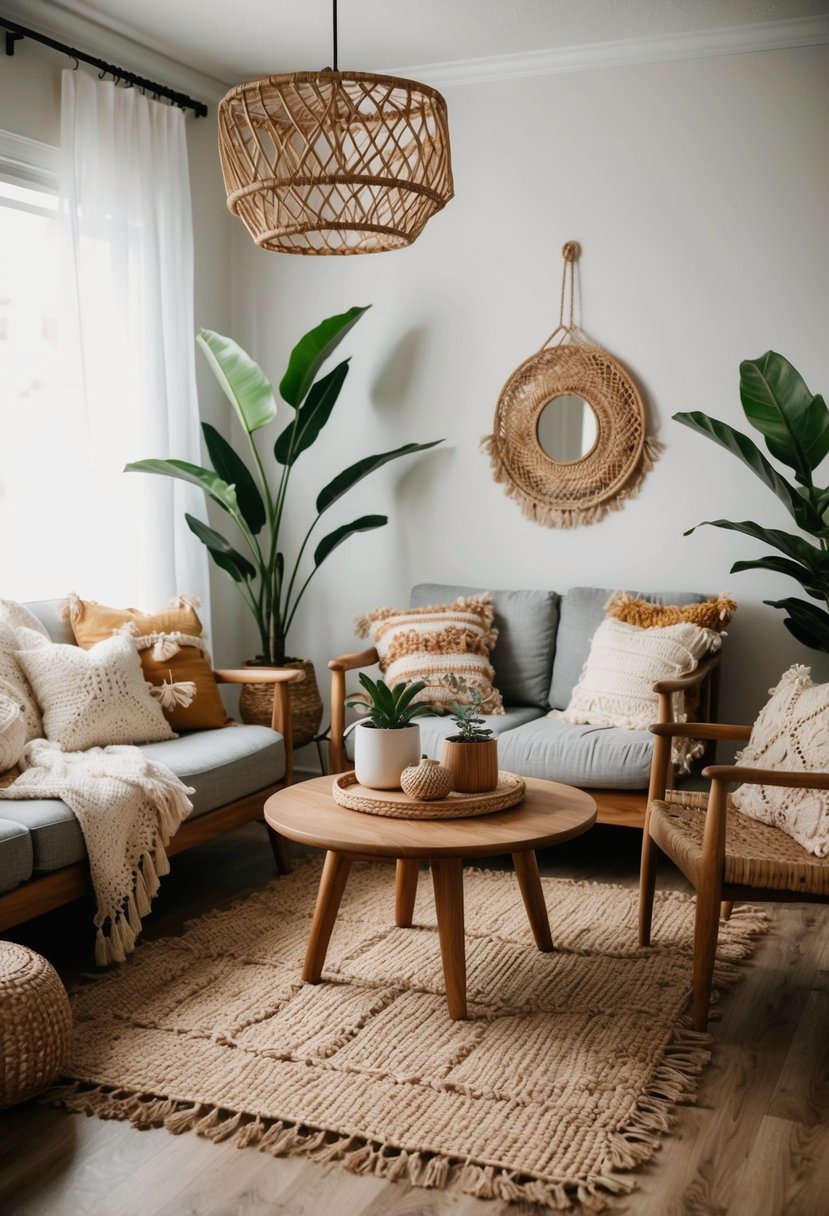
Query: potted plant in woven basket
(272, 583)
(471, 755)
(387, 739)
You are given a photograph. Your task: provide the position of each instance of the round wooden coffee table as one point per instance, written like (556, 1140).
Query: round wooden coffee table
(549, 813)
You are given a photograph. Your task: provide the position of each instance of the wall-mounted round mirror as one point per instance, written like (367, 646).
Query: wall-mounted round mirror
(566, 428)
(569, 438)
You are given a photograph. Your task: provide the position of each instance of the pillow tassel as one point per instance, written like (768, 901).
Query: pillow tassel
(72, 608)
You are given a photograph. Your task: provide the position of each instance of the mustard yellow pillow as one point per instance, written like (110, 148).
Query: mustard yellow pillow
(171, 646)
(708, 614)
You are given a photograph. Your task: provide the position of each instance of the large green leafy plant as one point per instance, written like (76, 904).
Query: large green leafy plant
(795, 426)
(272, 584)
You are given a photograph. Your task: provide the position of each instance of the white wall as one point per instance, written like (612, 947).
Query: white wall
(699, 193)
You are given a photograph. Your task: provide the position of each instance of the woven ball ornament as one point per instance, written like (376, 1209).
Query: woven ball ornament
(427, 781)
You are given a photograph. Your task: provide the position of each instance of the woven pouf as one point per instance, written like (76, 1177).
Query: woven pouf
(35, 1023)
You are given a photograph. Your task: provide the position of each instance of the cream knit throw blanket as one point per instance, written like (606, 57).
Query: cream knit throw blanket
(128, 808)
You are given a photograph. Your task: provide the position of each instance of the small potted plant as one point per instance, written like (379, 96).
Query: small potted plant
(387, 739)
(471, 755)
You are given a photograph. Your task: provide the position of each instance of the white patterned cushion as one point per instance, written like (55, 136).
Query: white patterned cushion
(12, 733)
(616, 683)
(13, 682)
(92, 698)
(429, 643)
(791, 732)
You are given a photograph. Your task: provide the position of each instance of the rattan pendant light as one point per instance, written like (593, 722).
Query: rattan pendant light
(334, 162)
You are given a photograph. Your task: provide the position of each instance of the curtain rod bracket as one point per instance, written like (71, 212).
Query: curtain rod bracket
(11, 39)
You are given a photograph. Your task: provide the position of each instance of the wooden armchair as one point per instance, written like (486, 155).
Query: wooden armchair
(724, 854)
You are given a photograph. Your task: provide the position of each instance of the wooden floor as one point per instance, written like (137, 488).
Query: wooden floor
(756, 1143)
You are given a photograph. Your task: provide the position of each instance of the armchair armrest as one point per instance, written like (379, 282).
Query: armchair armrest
(694, 678)
(281, 678)
(799, 779)
(701, 730)
(338, 667)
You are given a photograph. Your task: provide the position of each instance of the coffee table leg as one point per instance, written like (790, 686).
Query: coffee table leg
(447, 879)
(526, 871)
(405, 891)
(332, 884)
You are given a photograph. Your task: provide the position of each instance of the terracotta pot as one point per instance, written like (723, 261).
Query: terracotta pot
(472, 763)
(381, 755)
(256, 703)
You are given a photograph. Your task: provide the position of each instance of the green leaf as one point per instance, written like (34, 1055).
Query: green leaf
(408, 692)
(777, 402)
(810, 625)
(223, 554)
(817, 588)
(243, 382)
(232, 469)
(182, 470)
(366, 523)
(793, 546)
(311, 417)
(746, 450)
(356, 472)
(312, 350)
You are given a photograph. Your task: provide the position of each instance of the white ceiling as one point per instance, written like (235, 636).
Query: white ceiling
(242, 39)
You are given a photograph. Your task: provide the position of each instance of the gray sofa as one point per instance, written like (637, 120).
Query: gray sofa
(543, 643)
(232, 769)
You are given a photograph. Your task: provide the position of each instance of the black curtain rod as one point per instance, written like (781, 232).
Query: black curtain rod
(15, 32)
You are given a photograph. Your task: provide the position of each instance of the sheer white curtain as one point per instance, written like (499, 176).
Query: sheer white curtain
(128, 239)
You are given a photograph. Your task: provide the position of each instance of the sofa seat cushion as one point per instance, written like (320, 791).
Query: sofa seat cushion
(15, 854)
(585, 756)
(582, 612)
(523, 654)
(221, 765)
(434, 730)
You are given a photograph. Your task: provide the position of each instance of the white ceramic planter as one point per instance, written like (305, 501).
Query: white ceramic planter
(381, 755)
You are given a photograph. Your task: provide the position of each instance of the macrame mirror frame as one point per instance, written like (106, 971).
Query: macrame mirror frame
(563, 494)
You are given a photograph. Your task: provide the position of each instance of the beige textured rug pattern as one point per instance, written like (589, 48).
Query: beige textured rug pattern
(563, 1079)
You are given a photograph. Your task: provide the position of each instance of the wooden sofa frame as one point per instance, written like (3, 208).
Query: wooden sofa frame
(624, 808)
(48, 891)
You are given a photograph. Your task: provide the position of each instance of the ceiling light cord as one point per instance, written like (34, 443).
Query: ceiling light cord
(334, 2)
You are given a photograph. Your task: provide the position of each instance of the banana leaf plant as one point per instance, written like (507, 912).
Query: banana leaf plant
(794, 424)
(271, 582)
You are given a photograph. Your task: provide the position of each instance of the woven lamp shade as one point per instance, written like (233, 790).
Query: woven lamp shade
(334, 162)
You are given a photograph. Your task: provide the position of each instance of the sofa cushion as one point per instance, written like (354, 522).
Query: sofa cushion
(221, 765)
(48, 612)
(434, 730)
(523, 654)
(584, 756)
(582, 611)
(15, 854)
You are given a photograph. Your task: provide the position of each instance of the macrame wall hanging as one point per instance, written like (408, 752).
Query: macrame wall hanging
(568, 441)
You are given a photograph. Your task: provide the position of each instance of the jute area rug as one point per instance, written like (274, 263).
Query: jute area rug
(563, 1079)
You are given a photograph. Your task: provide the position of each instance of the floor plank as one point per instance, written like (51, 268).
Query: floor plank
(756, 1136)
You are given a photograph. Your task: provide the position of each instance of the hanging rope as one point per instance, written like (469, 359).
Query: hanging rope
(570, 252)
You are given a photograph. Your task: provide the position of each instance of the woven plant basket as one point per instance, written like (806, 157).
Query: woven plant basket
(35, 1023)
(256, 703)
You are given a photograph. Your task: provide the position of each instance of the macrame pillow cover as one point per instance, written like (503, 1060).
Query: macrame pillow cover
(12, 733)
(172, 648)
(429, 643)
(791, 732)
(710, 614)
(13, 682)
(91, 698)
(616, 684)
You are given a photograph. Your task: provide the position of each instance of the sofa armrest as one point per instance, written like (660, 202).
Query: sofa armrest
(281, 678)
(338, 667)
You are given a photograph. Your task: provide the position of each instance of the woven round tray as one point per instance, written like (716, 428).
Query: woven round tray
(394, 804)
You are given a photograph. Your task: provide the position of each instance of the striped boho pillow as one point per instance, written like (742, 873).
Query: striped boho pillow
(429, 643)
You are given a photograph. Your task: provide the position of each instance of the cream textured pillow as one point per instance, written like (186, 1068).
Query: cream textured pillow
(616, 684)
(12, 733)
(791, 732)
(13, 682)
(92, 698)
(429, 643)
